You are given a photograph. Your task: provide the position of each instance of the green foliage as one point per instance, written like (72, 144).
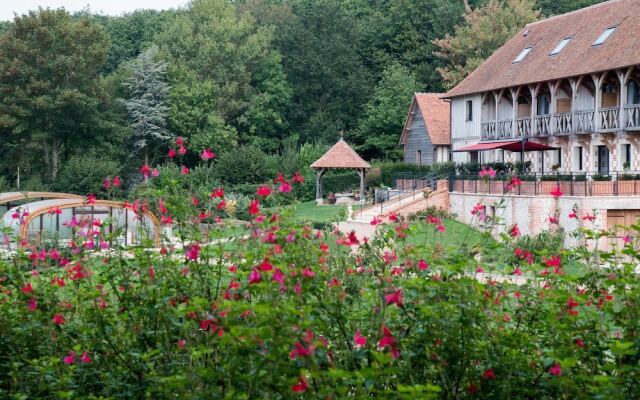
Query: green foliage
(379, 130)
(246, 164)
(555, 7)
(84, 174)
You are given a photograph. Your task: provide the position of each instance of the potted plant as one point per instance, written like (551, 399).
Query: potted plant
(331, 198)
(356, 195)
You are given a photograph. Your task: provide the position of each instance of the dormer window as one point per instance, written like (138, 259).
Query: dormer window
(604, 36)
(560, 46)
(522, 55)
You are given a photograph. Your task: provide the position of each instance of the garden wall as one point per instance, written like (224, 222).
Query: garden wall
(532, 213)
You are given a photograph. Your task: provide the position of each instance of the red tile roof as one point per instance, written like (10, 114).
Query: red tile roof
(436, 113)
(341, 155)
(579, 57)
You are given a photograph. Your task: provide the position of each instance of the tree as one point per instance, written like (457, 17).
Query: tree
(379, 129)
(484, 30)
(50, 89)
(226, 74)
(147, 104)
(555, 7)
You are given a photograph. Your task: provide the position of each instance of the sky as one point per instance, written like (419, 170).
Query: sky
(109, 7)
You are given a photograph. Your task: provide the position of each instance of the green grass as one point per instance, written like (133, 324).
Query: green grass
(310, 211)
(456, 235)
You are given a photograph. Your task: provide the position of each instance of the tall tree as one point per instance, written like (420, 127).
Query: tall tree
(555, 7)
(484, 30)
(147, 102)
(226, 75)
(49, 88)
(379, 129)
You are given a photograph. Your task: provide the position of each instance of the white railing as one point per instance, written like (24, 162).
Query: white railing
(584, 121)
(632, 114)
(609, 118)
(488, 130)
(505, 129)
(542, 125)
(563, 123)
(523, 126)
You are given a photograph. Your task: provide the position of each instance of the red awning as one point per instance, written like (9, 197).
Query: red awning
(511, 145)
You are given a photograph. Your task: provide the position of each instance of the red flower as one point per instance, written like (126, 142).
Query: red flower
(265, 265)
(27, 288)
(297, 178)
(556, 192)
(376, 221)
(218, 193)
(353, 240)
(33, 304)
(301, 386)
(422, 265)
(555, 369)
(116, 181)
(278, 276)
(254, 207)
(207, 154)
(182, 150)
(589, 217)
(388, 340)
(145, 170)
(394, 298)
(580, 343)
(263, 191)
(179, 141)
(393, 217)
(359, 340)
(573, 214)
(184, 170)
(193, 251)
(107, 183)
(91, 199)
(488, 374)
(58, 319)
(181, 343)
(172, 153)
(515, 231)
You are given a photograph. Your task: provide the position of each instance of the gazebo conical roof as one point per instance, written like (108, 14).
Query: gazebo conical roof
(341, 155)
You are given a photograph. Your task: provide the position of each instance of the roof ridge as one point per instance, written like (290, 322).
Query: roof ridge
(604, 3)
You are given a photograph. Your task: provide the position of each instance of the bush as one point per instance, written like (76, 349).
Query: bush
(600, 177)
(242, 165)
(84, 174)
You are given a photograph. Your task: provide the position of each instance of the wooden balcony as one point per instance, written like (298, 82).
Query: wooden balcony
(610, 119)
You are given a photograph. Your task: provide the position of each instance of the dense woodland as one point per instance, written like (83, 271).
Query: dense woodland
(84, 96)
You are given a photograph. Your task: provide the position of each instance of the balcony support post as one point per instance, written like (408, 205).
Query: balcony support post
(514, 100)
(598, 80)
(534, 107)
(553, 109)
(575, 86)
(623, 78)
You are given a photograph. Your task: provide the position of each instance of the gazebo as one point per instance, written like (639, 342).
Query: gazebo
(340, 156)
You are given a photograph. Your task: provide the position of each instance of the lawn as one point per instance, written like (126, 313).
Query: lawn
(456, 235)
(312, 212)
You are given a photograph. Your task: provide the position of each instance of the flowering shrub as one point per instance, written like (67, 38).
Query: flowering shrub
(286, 311)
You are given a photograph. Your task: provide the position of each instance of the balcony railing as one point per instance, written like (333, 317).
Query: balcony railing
(542, 125)
(563, 123)
(524, 127)
(609, 118)
(505, 129)
(488, 130)
(632, 116)
(584, 121)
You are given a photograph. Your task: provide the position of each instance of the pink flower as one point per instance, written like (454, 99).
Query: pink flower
(207, 154)
(33, 304)
(181, 343)
(155, 173)
(301, 386)
(359, 340)
(263, 191)
(573, 214)
(589, 217)
(388, 340)
(152, 272)
(308, 273)
(182, 150)
(116, 181)
(193, 252)
(626, 238)
(184, 170)
(91, 199)
(556, 192)
(487, 172)
(180, 141)
(172, 153)
(85, 358)
(265, 265)
(278, 276)
(218, 193)
(376, 221)
(254, 207)
(555, 369)
(70, 359)
(58, 319)
(422, 265)
(254, 276)
(107, 183)
(284, 187)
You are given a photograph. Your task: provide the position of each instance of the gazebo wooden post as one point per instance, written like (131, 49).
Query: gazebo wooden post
(319, 174)
(361, 172)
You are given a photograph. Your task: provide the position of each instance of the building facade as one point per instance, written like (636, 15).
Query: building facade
(571, 82)
(427, 132)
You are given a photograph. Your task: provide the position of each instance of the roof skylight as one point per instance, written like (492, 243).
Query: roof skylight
(522, 55)
(604, 36)
(560, 46)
